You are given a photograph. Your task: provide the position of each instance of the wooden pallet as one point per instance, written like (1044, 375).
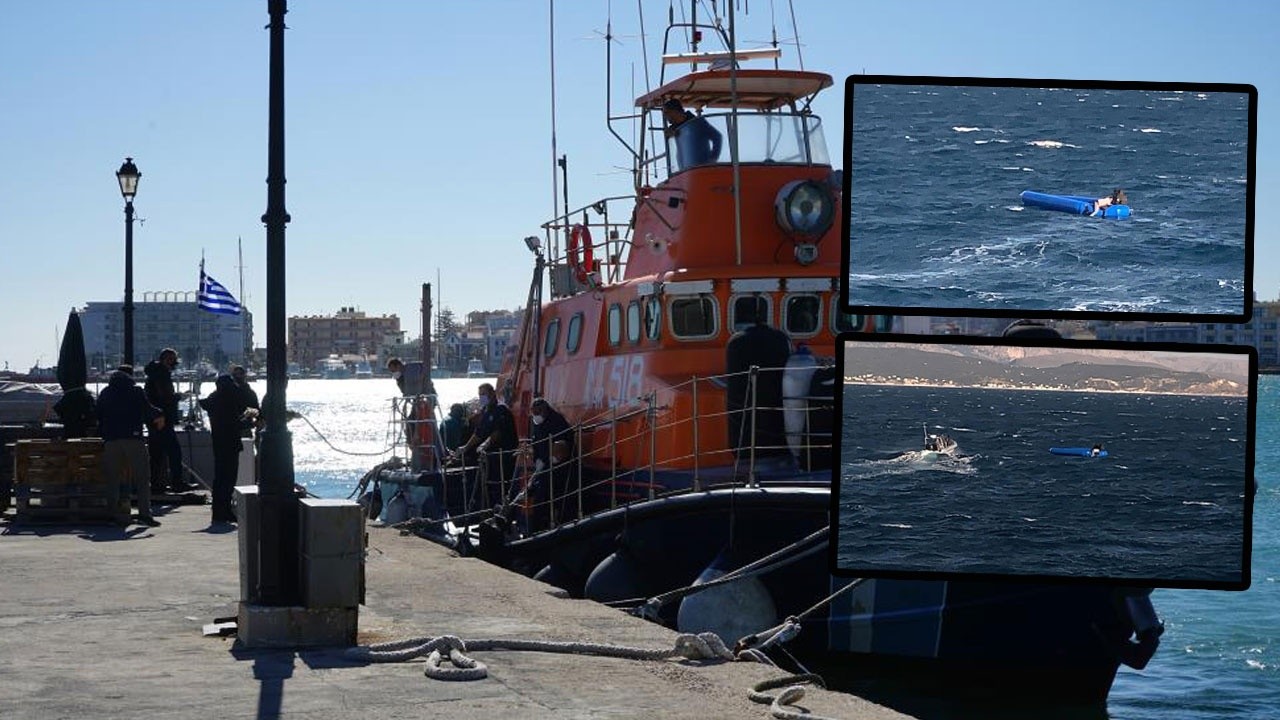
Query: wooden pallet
(62, 481)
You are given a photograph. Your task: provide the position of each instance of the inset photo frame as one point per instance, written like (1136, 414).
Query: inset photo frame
(1009, 197)
(1041, 459)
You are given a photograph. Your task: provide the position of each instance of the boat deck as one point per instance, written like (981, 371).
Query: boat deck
(104, 622)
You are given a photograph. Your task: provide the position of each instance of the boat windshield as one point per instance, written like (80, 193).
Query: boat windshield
(784, 138)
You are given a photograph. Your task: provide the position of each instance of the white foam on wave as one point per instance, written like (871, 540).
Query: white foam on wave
(1199, 502)
(981, 142)
(899, 526)
(1014, 208)
(1052, 144)
(1150, 130)
(962, 128)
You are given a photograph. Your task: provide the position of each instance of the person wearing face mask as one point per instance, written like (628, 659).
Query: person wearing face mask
(395, 366)
(551, 441)
(495, 435)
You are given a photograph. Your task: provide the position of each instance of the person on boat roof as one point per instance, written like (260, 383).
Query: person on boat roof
(697, 143)
(1117, 197)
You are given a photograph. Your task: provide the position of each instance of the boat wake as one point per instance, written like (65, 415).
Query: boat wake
(909, 462)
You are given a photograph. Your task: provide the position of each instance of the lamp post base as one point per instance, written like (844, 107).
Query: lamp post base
(271, 626)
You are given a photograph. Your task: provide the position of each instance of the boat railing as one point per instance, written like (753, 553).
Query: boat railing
(609, 239)
(644, 421)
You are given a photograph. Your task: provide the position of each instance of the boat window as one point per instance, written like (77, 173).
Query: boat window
(652, 318)
(615, 324)
(693, 318)
(552, 338)
(802, 315)
(574, 336)
(633, 321)
(743, 312)
(845, 322)
(772, 137)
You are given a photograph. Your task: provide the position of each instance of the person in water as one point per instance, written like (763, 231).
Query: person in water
(1096, 451)
(1117, 197)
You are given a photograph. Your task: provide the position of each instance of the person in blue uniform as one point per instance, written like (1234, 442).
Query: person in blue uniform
(551, 441)
(495, 436)
(697, 143)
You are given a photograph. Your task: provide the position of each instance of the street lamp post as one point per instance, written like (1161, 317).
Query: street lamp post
(128, 176)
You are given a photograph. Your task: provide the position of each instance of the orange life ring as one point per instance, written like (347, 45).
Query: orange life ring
(581, 257)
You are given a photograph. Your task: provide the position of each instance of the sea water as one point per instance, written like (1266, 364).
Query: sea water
(937, 221)
(1166, 503)
(1220, 654)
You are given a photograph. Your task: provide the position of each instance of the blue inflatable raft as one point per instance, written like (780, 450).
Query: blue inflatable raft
(1074, 204)
(1077, 451)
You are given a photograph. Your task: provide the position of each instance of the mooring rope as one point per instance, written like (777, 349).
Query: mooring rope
(768, 563)
(703, 646)
(460, 666)
(793, 692)
(340, 450)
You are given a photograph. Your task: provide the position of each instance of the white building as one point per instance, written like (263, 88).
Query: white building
(161, 320)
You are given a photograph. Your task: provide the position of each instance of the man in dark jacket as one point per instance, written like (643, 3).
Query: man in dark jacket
(768, 348)
(241, 376)
(163, 444)
(495, 435)
(122, 410)
(552, 442)
(226, 406)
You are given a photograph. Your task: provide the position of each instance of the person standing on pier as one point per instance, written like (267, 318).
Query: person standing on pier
(122, 410)
(241, 376)
(226, 407)
(163, 444)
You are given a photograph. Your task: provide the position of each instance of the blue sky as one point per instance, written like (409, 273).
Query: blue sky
(418, 132)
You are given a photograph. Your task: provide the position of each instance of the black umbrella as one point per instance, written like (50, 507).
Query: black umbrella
(76, 406)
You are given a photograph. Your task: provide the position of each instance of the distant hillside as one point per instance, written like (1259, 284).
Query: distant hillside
(970, 366)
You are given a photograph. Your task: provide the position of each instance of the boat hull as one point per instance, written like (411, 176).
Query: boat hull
(984, 639)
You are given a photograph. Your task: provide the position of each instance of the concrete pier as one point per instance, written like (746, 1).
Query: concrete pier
(103, 622)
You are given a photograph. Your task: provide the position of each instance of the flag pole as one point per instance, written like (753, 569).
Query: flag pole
(244, 353)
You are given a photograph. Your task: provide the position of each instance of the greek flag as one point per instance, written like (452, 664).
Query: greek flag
(214, 297)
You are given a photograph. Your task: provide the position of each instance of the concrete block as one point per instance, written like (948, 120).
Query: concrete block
(330, 528)
(332, 581)
(261, 626)
(248, 506)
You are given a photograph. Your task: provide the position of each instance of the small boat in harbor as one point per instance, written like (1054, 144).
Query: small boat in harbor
(694, 449)
(333, 368)
(475, 369)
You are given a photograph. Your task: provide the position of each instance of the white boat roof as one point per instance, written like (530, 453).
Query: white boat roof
(756, 89)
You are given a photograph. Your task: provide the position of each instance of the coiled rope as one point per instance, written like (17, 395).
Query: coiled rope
(790, 696)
